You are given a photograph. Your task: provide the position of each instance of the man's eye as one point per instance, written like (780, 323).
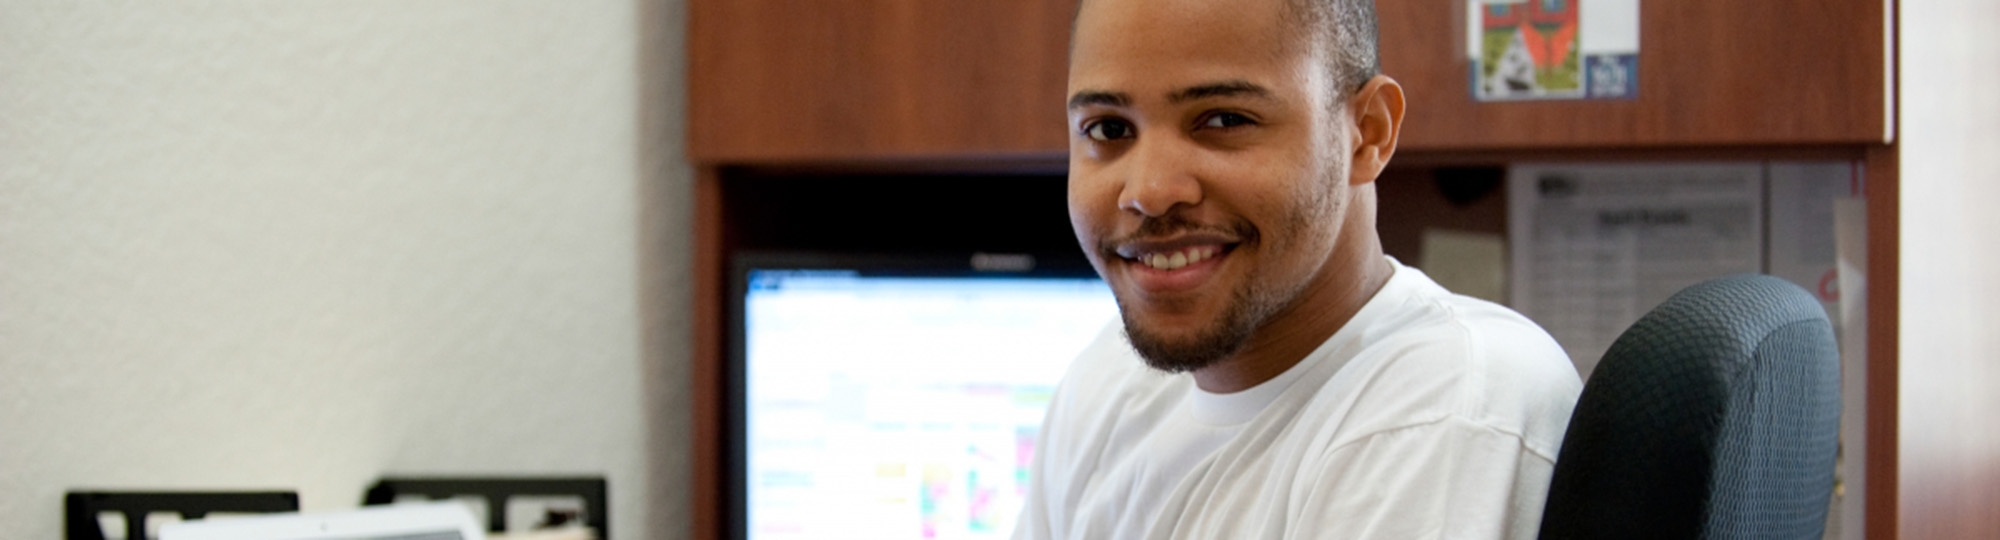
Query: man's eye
(1108, 130)
(1226, 120)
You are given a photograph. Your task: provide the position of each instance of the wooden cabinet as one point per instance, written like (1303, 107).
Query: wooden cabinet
(860, 87)
(833, 80)
(1711, 73)
(847, 80)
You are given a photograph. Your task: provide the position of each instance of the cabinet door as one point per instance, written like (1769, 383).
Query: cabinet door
(1711, 72)
(791, 80)
(788, 80)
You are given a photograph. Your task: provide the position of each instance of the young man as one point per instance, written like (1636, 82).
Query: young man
(1275, 375)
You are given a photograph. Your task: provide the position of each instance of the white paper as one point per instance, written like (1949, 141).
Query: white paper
(1597, 246)
(1472, 29)
(1801, 246)
(1609, 26)
(1469, 263)
(1851, 236)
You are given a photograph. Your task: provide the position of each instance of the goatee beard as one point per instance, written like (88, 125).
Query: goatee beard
(1184, 356)
(1229, 334)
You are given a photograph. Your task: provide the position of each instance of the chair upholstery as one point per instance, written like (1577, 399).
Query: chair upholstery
(1717, 416)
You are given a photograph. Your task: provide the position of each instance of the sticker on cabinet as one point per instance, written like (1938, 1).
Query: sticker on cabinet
(1553, 49)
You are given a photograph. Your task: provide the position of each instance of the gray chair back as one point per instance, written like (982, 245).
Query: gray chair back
(1716, 416)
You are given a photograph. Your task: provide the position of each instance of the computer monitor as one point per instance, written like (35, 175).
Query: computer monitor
(896, 397)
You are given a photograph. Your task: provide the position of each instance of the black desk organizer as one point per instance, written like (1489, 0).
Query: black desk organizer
(81, 508)
(496, 492)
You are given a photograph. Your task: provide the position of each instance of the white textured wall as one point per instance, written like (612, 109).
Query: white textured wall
(1950, 287)
(302, 244)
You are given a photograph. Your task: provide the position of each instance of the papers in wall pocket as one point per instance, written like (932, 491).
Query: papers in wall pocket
(1596, 246)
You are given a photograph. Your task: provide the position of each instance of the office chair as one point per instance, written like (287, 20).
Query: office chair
(496, 492)
(1716, 416)
(81, 508)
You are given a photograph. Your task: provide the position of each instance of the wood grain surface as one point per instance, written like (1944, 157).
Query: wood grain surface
(1711, 72)
(776, 80)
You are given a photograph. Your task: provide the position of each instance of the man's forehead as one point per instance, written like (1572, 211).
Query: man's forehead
(1157, 47)
(1170, 9)
(1230, 24)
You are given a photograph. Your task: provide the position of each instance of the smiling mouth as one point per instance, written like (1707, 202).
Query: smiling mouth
(1173, 252)
(1178, 258)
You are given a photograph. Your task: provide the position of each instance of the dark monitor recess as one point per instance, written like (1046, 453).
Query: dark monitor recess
(894, 396)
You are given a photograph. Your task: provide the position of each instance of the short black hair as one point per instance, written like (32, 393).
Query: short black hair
(1345, 29)
(1346, 32)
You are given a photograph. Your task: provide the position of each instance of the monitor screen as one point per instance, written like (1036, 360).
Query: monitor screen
(886, 404)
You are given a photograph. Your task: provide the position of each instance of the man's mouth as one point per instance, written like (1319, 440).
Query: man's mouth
(1175, 259)
(1176, 266)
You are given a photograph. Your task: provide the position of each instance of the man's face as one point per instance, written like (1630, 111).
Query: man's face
(1208, 168)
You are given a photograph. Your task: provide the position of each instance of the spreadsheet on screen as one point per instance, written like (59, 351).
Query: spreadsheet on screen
(901, 407)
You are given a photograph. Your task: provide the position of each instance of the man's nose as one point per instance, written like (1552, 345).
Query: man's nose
(1160, 176)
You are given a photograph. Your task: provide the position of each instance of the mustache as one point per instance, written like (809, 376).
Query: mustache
(1175, 224)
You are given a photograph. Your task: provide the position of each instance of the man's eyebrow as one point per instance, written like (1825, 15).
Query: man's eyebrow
(1233, 88)
(1093, 97)
(1230, 88)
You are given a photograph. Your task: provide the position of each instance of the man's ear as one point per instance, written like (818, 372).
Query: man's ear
(1377, 110)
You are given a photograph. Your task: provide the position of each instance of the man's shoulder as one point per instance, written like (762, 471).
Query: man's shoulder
(1451, 332)
(1438, 355)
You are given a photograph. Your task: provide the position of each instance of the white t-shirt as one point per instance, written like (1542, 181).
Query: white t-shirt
(1429, 415)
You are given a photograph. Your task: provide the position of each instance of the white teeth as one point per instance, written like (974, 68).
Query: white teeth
(1178, 259)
